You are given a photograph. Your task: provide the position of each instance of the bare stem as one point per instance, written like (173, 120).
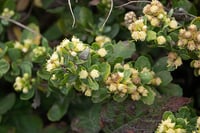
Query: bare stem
(139, 1)
(70, 7)
(20, 25)
(110, 11)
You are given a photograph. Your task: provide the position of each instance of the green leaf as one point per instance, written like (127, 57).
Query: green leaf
(93, 84)
(146, 77)
(55, 128)
(114, 30)
(142, 62)
(86, 16)
(100, 95)
(118, 98)
(7, 103)
(43, 74)
(167, 114)
(165, 76)
(160, 65)
(123, 50)
(26, 67)
(59, 108)
(151, 35)
(4, 67)
(104, 69)
(14, 54)
(27, 96)
(87, 121)
(28, 123)
(171, 90)
(149, 99)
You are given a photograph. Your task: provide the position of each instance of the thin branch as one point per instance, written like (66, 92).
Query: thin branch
(128, 3)
(70, 7)
(20, 25)
(110, 11)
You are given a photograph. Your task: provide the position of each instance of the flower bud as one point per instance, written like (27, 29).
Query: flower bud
(198, 37)
(188, 34)
(155, 22)
(135, 96)
(102, 52)
(191, 45)
(154, 9)
(88, 92)
(83, 74)
(94, 73)
(161, 40)
(173, 24)
(192, 27)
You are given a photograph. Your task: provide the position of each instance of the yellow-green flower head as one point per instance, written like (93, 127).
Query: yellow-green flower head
(173, 24)
(83, 74)
(161, 40)
(165, 125)
(102, 52)
(94, 73)
(7, 13)
(101, 40)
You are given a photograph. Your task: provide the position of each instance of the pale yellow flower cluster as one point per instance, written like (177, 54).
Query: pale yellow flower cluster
(174, 60)
(83, 74)
(138, 30)
(24, 83)
(72, 47)
(101, 40)
(129, 18)
(119, 84)
(156, 14)
(38, 51)
(7, 13)
(167, 126)
(25, 47)
(189, 38)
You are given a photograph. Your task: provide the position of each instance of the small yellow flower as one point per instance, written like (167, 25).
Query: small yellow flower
(101, 40)
(102, 52)
(112, 87)
(173, 24)
(88, 92)
(154, 9)
(135, 96)
(155, 21)
(83, 74)
(94, 73)
(161, 40)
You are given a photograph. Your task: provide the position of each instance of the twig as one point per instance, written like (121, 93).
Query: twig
(139, 1)
(110, 11)
(70, 7)
(20, 25)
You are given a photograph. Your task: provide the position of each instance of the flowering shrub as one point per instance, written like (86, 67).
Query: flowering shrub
(73, 69)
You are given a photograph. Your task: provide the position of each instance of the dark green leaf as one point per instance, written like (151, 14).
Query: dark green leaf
(165, 76)
(171, 90)
(160, 65)
(4, 67)
(26, 67)
(14, 54)
(87, 121)
(142, 62)
(123, 50)
(86, 16)
(7, 103)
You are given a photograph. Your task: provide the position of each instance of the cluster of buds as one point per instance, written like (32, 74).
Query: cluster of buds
(196, 65)
(101, 40)
(138, 30)
(71, 48)
(168, 126)
(84, 74)
(7, 13)
(156, 14)
(174, 60)
(189, 38)
(129, 18)
(126, 80)
(38, 52)
(24, 83)
(25, 47)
